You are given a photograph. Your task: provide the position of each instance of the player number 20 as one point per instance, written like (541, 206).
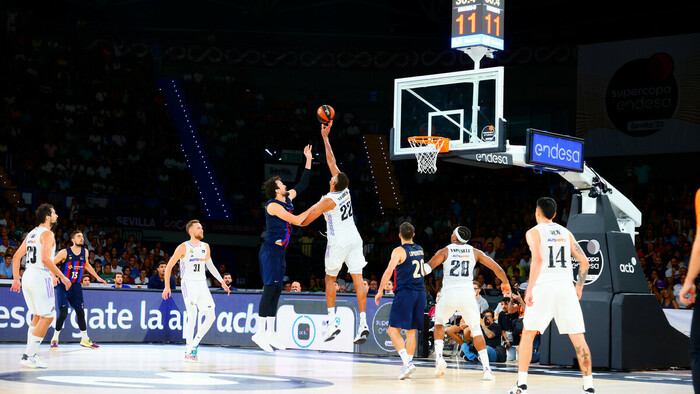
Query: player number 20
(459, 268)
(420, 270)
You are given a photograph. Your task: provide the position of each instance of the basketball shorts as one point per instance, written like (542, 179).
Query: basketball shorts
(72, 296)
(462, 299)
(350, 254)
(38, 292)
(196, 292)
(558, 301)
(408, 309)
(272, 264)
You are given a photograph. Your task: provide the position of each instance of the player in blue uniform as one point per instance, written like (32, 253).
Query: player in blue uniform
(278, 230)
(72, 262)
(407, 265)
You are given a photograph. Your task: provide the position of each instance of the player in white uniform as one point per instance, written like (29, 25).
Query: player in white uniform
(551, 294)
(37, 284)
(457, 294)
(194, 255)
(344, 242)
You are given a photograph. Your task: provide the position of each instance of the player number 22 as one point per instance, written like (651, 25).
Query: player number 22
(420, 270)
(345, 211)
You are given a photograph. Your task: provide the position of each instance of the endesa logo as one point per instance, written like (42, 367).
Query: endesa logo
(629, 267)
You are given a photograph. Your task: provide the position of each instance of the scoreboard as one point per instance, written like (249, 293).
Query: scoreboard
(477, 23)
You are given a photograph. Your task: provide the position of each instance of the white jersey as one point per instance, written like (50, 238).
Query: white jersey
(340, 225)
(555, 247)
(192, 265)
(34, 247)
(458, 268)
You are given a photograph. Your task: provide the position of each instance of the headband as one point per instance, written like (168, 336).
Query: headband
(459, 238)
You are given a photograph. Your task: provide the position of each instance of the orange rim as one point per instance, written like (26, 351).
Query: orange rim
(432, 140)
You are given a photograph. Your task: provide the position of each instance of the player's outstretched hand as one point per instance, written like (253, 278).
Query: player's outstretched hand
(166, 293)
(16, 285)
(505, 289)
(687, 289)
(379, 295)
(66, 282)
(307, 152)
(104, 282)
(326, 129)
(226, 288)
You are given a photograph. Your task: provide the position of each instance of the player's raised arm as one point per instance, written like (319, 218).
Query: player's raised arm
(324, 205)
(214, 272)
(330, 157)
(533, 241)
(91, 270)
(493, 266)
(398, 256)
(16, 259)
(178, 254)
(47, 242)
(438, 259)
(305, 175)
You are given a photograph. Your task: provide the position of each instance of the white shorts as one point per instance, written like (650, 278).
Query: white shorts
(196, 292)
(350, 254)
(38, 292)
(558, 301)
(462, 299)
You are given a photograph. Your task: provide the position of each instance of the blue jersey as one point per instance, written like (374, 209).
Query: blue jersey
(278, 230)
(74, 265)
(409, 274)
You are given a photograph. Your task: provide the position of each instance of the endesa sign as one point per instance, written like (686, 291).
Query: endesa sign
(554, 151)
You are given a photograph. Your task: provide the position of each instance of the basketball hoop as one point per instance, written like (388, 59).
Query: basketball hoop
(426, 149)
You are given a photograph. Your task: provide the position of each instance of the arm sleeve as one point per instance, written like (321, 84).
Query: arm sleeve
(303, 182)
(214, 272)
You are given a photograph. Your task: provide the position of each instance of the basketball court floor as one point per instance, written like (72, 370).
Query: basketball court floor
(153, 368)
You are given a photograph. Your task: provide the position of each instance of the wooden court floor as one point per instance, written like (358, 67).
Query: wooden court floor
(153, 368)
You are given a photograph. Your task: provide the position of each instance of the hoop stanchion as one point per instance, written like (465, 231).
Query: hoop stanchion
(426, 149)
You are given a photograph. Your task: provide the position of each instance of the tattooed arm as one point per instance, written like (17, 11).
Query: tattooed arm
(582, 259)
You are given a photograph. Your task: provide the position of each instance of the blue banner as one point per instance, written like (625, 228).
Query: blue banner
(143, 316)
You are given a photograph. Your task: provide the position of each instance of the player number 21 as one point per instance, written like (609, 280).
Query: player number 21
(420, 270)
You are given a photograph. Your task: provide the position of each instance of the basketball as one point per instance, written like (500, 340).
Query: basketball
(325, 114)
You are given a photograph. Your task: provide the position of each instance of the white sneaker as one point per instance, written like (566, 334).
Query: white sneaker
(488, 375)
(332, 331)
(260, 339)
(440, 366)
(32, 362)
(518, 389)
(407, 371)
(275, 341)
(588, 390)
(362, 333)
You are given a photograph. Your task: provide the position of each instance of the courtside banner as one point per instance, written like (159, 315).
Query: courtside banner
(143, 316)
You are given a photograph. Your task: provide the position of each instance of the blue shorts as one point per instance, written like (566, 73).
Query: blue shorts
(72, 296)
(272, 264)
(408, 309)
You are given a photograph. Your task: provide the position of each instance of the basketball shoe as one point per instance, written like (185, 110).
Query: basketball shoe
(488, 375)
(407, 371)
(275, 341)
(440, 366)
(518, 389)
(588, 390)
(54, 344)
(362, 333)
(32, 362)
(332, 331)
(87, 343)
(260, 339)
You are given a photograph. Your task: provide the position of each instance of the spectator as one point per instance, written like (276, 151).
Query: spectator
(119, 281)
(296, 287)
(511, 323)
(673, 273)
(287, 286)
(667, 300)
(492, 336)
(490, 251)
(483, 304)
(676, 293)
(142, 279)
(373, 286)
(127, 279)
(503, 305)
(107, 274)
(6, 267)
(389, 288)
(157, 281)
(228, 279)
(85, 282)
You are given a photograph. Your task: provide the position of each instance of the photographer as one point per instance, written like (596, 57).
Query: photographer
(511, 322)
(492, 336)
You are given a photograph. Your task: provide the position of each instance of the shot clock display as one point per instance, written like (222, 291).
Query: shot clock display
(477, 22)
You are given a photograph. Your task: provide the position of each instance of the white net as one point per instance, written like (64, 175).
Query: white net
(426, 150)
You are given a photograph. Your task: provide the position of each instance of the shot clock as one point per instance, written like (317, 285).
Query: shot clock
(477, 23)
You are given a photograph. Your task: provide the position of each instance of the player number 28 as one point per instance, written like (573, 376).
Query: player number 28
(420, 270)
(457, 265)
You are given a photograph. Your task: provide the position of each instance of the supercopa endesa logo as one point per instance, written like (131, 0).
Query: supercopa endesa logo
(595, 260)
